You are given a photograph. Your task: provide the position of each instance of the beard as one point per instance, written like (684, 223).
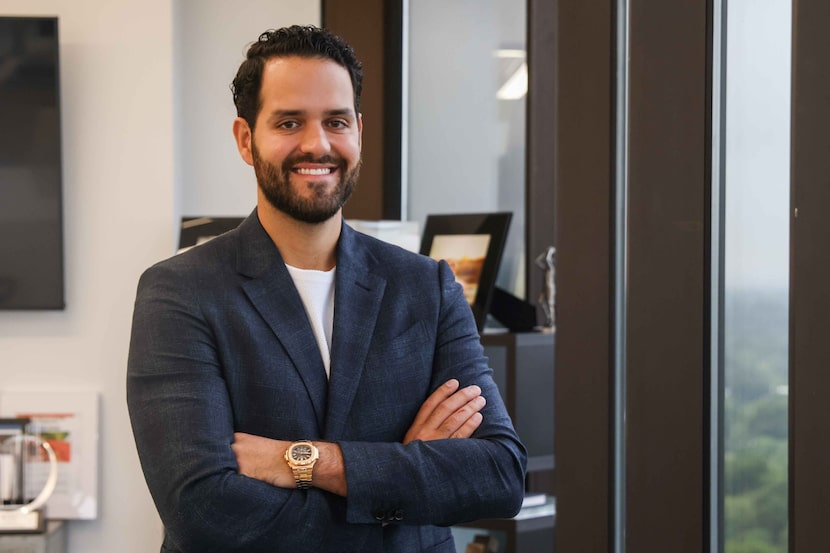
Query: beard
(275, 183)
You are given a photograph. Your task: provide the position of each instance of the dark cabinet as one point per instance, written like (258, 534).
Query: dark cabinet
(523, 369)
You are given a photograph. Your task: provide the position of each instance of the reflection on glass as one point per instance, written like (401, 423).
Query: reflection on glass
(466, 119)
(756, 276)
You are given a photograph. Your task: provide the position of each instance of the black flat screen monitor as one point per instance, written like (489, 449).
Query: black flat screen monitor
(31, 226)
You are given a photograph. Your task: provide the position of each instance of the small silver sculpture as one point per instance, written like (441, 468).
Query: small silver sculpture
(547, 299)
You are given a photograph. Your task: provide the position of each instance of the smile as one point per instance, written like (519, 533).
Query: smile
(316, 171)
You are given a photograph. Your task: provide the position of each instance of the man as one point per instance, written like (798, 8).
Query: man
(294, 385)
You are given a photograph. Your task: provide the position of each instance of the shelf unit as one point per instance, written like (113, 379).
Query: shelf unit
(522, 364)
(530, 531)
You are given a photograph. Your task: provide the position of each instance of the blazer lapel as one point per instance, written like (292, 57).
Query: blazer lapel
(357, 297)
(273, 294)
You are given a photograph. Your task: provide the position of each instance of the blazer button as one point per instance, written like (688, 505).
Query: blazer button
(379, 515)
(397, 514)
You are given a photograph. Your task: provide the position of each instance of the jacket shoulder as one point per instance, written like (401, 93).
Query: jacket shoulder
(210, 258)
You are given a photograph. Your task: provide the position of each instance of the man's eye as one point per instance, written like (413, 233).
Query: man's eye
(338, 124)
(288, 125)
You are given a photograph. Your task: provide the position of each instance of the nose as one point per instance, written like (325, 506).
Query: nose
(314, 140)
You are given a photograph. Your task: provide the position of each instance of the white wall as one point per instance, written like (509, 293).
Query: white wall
(116, 107)
(122, 186)
(210, 43)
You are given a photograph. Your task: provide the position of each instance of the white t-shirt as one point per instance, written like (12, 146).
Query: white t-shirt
(317, 292)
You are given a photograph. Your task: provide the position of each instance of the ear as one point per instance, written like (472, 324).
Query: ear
(244, 140)
(360, 131)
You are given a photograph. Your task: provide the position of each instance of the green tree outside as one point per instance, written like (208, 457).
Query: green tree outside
(756, 424)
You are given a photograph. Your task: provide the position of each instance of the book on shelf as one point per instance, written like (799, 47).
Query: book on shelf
(534, 500)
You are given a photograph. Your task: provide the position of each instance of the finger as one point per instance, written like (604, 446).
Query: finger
(446, 413)
(440, 394)
(237, 440)
(469, 426)
(459, 418)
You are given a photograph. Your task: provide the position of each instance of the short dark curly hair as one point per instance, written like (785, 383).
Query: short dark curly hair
(306, 41)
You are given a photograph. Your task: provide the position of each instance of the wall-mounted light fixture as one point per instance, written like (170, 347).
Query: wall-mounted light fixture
(513, 67)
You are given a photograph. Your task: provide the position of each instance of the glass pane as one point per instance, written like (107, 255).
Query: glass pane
(756, 275)
(466, 120)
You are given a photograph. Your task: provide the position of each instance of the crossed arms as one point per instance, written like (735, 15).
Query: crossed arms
(447, 413)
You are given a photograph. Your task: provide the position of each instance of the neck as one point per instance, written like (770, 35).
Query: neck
(302, 245)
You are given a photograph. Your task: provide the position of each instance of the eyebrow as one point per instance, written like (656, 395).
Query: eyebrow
(278, 113)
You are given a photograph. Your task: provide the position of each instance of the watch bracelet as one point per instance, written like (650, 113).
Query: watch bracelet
(302, 476)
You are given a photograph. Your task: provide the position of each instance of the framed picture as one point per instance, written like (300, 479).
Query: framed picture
(68, 421)
(198, 230)
(472, 244)
(11, 461)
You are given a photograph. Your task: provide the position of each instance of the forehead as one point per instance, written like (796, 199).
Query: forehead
(305, 83)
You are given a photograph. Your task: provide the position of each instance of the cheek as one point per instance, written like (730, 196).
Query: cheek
(272, 147)
(275, 155)
(350, 148)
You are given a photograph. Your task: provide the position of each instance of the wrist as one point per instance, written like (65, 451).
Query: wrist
(329, 473)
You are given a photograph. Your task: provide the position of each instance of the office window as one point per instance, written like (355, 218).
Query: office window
(756, 268)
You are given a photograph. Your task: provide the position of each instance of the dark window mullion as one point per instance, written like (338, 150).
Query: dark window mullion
(810, 274)
(667, 385)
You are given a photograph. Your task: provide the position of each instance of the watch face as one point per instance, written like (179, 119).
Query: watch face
(301, 452)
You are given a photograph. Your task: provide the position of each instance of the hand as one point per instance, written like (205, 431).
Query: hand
(448, 413)
(262, 458)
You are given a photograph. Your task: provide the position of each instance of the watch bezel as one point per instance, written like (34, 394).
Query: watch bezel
(302, 469)
(289, 454)
(313, 453)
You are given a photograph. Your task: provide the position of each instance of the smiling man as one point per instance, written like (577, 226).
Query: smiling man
(315, 143)
(294, 385)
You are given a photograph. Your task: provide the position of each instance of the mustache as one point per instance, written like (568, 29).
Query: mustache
(309, 158)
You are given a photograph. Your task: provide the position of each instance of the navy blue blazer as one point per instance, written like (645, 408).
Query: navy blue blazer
(221, 343)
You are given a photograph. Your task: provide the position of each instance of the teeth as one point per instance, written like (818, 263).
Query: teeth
(304, 171)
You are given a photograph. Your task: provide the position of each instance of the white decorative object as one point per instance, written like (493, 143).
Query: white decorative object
(26, 517)
(68, 422)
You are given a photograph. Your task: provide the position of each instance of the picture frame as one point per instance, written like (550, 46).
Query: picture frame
(68, 421)
(198, 230)
(472, 244)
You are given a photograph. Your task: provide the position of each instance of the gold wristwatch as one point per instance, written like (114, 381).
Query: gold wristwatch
(301, 457)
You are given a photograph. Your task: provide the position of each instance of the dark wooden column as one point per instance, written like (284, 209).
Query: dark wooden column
(572, 135)
(810, 279)
(540, 165)
(373, 28)
(667, 344)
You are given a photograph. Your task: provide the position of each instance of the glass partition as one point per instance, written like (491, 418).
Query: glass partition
(466, 116)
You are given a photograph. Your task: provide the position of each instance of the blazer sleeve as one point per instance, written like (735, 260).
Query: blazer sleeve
(443, 482)
(182, 422)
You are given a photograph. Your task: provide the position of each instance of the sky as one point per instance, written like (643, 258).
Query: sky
(757, 140)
